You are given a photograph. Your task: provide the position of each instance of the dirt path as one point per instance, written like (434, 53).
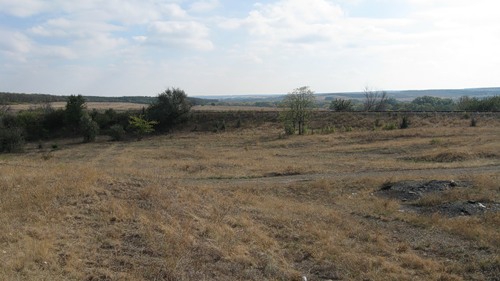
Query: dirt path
(285, 179)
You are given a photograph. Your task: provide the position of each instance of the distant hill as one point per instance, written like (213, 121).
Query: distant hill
(412, 94)
(405, 95)
(264, 100)
(16, 98)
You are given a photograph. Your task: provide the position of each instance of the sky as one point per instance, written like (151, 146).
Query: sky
(243, 47)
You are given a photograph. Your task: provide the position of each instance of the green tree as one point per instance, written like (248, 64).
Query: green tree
(297, 106)
(476, 104)
(170, 108)
(429, 103)
(75, 107)
(89, 128)
(141, 126)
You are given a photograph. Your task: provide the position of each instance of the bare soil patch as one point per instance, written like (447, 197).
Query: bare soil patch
(413, 190)
(409, 193)
(458, 208)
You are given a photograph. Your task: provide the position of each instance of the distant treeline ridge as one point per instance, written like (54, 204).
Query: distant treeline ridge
(16, 98)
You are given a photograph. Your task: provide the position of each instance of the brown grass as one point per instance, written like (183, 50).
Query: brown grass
(248, 205)
(118, 106)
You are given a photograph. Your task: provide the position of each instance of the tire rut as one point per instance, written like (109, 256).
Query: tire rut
(286, 179)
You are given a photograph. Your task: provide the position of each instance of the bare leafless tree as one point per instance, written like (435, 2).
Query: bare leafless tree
(375, 100)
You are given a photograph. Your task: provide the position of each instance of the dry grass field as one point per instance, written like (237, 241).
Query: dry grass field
(118, 106)
(248, 204)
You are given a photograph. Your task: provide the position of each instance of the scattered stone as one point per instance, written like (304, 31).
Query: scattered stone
(454, 209)
(413, 190)
(410, 191)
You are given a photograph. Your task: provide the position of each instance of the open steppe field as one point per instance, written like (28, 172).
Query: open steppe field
(118, 106)
(124, 106)
(249, 204)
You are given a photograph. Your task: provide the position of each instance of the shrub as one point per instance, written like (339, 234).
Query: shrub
(390, 126)
(117, 132)
(341, 105)
(141, 126)
(219, 126)
(32, 122)
(473, 122)
(89, 128)
(289, 128)
(11, 139)
(476, 104)
(405, 123)
(53, 121)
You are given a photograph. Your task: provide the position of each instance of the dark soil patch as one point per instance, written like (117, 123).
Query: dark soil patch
(413, 190)
(454, 209)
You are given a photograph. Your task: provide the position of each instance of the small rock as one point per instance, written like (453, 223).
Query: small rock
(481, 205)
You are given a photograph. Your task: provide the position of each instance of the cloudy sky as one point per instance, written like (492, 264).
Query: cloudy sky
(211, 47)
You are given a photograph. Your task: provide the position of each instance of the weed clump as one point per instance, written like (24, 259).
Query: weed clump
(390, 127)
(473, 122)
(405, 123)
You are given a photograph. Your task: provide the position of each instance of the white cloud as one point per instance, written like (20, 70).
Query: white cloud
(17, 47)
(23, 8)
(274, 43)
(93, 28)
(204, 6)
(63, 27)
(188, 34)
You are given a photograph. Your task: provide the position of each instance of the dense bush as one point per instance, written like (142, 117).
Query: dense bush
(475, 104)
(341, 105)
(32, 122)
(170, 108)
(53, 122)
(89, 128)
(117, 132)
(110, 117)
(11, 139)
(428, 103)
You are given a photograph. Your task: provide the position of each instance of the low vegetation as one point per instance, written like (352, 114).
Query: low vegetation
(170, 109)
(245, 204)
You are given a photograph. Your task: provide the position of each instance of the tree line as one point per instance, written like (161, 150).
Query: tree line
(172, 107)
(380, 101)
(18, 98)
(298, 105)
(167, 110)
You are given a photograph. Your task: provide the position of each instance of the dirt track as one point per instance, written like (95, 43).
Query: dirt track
(285, 179)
